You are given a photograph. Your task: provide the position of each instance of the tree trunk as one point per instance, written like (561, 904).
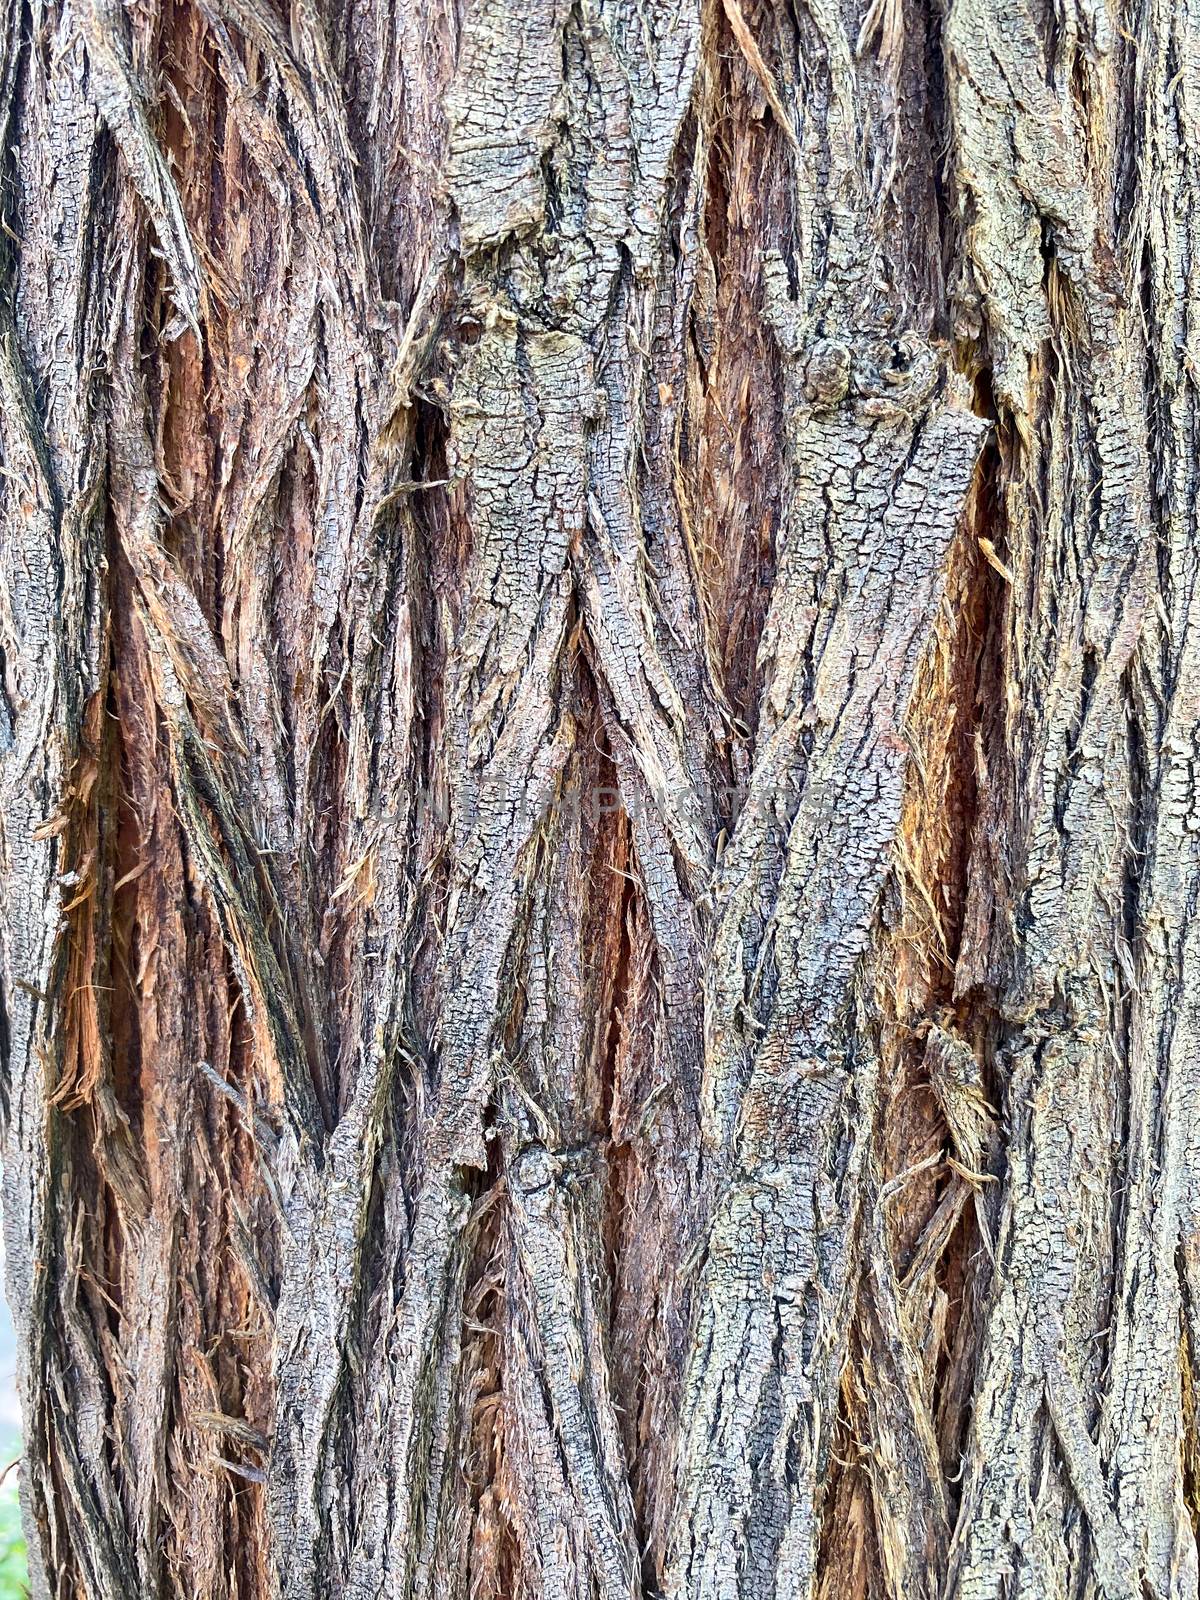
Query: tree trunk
(599, 829)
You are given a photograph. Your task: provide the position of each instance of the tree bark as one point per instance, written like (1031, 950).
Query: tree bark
(599, 836)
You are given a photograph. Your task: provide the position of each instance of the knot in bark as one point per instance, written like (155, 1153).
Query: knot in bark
(896, 374)
(533, 1175)
(827, 373)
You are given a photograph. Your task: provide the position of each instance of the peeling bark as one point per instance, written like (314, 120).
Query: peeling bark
(598, 838)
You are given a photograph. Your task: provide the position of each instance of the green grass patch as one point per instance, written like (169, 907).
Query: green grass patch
(14, 1568)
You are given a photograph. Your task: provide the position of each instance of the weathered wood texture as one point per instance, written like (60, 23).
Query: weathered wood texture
(599, 833)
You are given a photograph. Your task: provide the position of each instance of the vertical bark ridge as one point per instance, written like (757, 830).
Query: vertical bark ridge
(1069, 362)
(881, 451)
(55, 654)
